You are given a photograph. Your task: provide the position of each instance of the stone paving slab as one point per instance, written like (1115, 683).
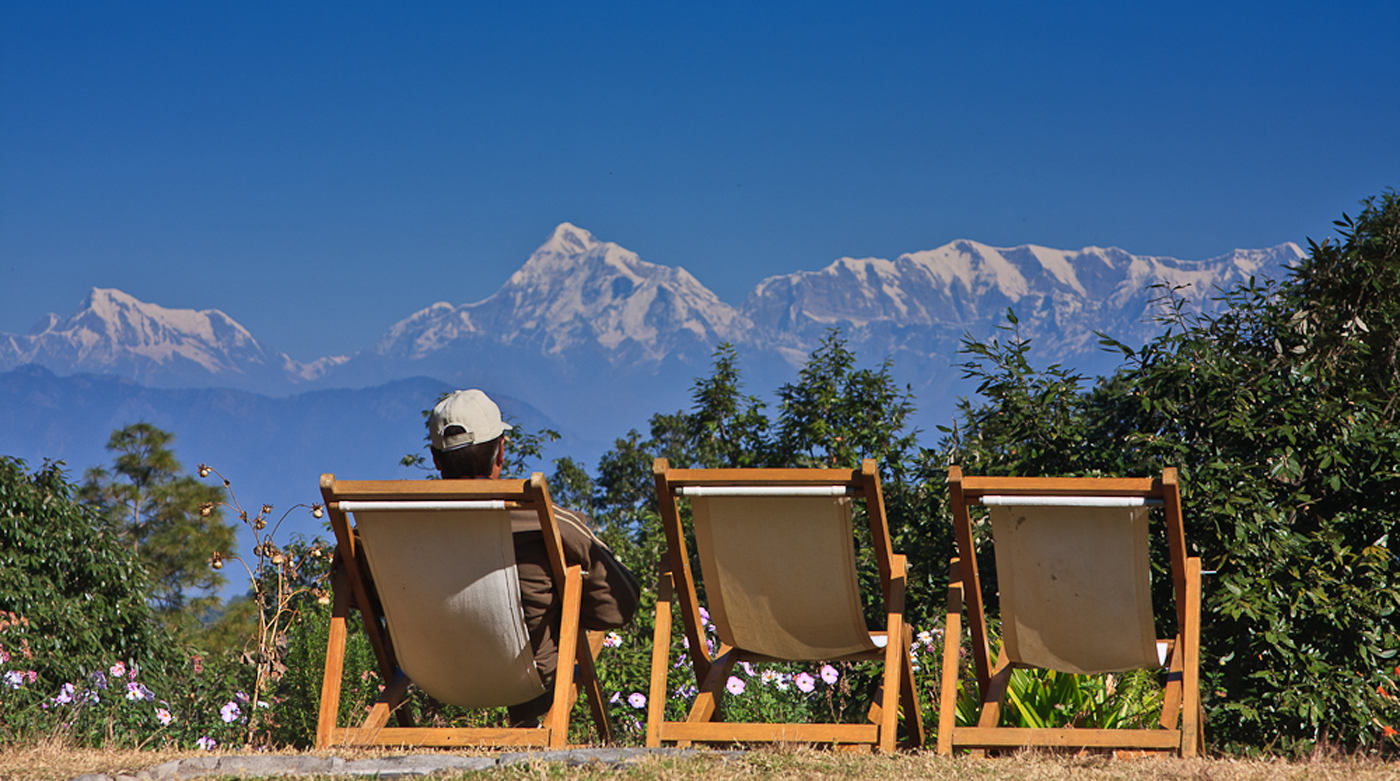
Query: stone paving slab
(396, 767)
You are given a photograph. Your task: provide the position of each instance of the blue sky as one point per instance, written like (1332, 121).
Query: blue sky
(321, 170)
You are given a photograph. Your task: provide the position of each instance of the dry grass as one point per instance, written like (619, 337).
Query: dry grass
(49, 762)
(52, 761)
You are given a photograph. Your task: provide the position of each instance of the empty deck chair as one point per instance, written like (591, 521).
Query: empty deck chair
(441, 608)
(1074, 579)
(777, 556)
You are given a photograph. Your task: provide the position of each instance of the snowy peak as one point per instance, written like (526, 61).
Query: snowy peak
(113, 332)
(578, 292)
(115, 318)
(1063, 295)
(589, 304)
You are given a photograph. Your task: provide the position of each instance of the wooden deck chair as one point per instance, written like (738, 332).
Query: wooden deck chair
(777, 555)
(441, 608)
(1074, 579)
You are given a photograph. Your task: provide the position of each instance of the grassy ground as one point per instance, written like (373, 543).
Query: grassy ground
(57, 763)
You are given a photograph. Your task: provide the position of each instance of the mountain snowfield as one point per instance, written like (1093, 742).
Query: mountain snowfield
(586, 338)
(114, 333)
(577, 291)
(584, 304)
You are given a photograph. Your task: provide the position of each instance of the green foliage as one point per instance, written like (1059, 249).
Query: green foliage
(835, 415)
(164, 516)
(68, 573)
(1280, 413)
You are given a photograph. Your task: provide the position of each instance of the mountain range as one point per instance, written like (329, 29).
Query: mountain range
(585, 337)
(584, 306)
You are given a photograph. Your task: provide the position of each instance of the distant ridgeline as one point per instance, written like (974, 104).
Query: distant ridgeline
(585, 337)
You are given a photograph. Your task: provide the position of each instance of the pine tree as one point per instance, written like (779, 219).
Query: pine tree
(170, 519)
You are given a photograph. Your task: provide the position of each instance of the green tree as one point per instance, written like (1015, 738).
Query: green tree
(1280, 412)
(835, 414)
(170, 519)
(68, 571)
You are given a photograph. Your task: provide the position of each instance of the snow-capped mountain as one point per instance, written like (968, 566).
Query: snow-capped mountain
(585, 329)
(114, 333)
(578, 293)
(1060, 296)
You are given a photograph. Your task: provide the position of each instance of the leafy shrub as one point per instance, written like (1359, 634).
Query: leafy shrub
(1281, 414)
(73, 580)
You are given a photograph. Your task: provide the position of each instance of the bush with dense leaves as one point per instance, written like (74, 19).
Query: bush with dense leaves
(69, 573)
(1281, 414)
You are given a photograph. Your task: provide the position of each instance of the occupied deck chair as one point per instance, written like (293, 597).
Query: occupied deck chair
(441, 609)
(777, 555)
(1074, 579)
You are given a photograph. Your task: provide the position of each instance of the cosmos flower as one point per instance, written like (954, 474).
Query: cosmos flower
(230, 712)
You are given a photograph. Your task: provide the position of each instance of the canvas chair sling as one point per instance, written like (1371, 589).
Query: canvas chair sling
(1073, 574)
(776, 550)
(445, 611)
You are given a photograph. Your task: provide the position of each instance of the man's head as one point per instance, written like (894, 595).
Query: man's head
(466, 432)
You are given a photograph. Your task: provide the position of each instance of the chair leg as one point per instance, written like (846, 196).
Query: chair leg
(996, 692)
(335, 662)
(1191, 660)
(660, 661)
(952, 641)
(557, 720)
(709, 699)
(894, 656)
(394, 694)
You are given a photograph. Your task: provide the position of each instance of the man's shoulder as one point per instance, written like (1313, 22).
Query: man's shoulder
(571, 523)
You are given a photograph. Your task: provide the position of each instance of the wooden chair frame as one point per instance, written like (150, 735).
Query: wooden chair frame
(352, 589)
(1180, 723)
(704, 722)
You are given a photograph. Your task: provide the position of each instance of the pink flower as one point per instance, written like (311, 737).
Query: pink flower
(164, 716)
(829, 674)
(748, 668)
(637, 700)
(230, 712)
(612, 640)
(65, 694)
(207, 743)
(118, 670)
(735, 685)
(805, 682)
(138, 691)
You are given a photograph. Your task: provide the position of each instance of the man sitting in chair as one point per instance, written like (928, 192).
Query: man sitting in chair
(468, 441)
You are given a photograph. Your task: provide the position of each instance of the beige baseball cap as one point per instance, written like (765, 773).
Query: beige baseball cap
(472, 411)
